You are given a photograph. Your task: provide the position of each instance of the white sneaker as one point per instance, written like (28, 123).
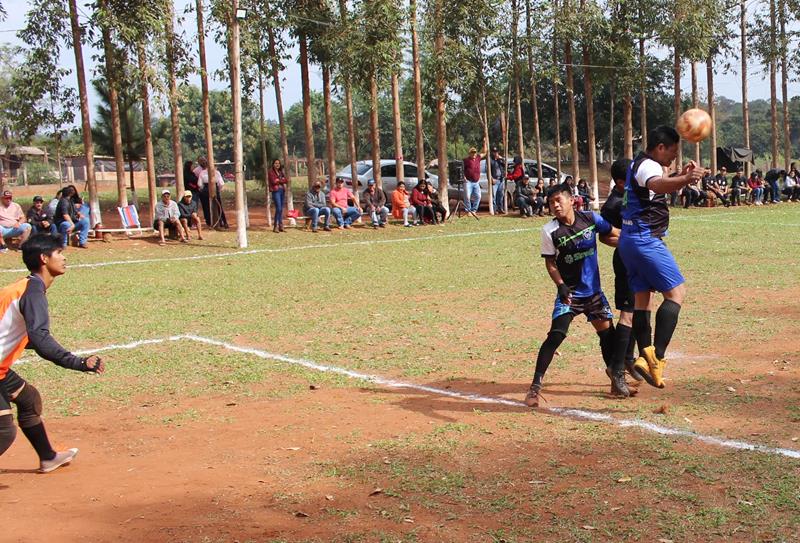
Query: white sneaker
(61, 459)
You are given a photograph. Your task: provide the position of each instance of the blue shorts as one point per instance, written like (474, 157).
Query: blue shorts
(14, 231)
(650, 265)
(595, 307)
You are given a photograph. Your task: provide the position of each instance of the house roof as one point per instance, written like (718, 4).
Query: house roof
(22, 150)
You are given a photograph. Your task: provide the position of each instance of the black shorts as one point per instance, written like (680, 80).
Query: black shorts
(8, 386)
(623, 295)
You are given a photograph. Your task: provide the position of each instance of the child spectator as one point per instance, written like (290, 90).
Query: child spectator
(401, 205)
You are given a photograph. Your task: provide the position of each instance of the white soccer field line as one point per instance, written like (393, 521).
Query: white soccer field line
(392, 383)
(288, 249)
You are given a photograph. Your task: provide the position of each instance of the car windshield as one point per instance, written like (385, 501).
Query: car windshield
(363, 168)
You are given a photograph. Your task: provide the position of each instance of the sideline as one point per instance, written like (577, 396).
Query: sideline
(391, 383)
(287, 249)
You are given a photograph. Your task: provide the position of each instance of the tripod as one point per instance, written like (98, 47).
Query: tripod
(460, 202)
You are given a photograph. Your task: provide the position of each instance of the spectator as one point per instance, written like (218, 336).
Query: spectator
(524, 198)
(341, 209)
(374, 202)
(67, 219)
(714, 190)
(167, 216)
(499, 176)
(771, 177)
(539, 197)
(51, 206)
(756, 188)
(692, 195)
(190, 180)
(202, 188)
(401, 205)
(584, 192)
(277, 188)
(569, 180)
(12, 221)
(472, 174)
(84, 215)
(422, 203)
(738, 186)
(202, 182)
(516, 175)
(315, 207)
(436, 203)
(38, 219)
(791, 185)
(187, 215)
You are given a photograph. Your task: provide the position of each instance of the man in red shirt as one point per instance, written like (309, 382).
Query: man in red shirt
(472, 175)
(344, 213)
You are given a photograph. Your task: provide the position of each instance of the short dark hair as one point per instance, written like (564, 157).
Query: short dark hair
(557, 189)
(663, 134)
(37, 245)
(619, 168)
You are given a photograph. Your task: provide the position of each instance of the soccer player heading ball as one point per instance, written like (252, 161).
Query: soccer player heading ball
(569, 249)
(650, 265)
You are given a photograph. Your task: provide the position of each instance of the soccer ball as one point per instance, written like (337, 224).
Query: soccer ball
(694, 125)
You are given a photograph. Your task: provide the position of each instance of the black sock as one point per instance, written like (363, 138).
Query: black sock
(641, 328)
(631, 345)
(607, 345)
(546, 353)
(666, 321)
(622, 344)
(38, 438)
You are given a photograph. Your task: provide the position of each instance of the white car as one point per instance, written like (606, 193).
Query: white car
(365, 173)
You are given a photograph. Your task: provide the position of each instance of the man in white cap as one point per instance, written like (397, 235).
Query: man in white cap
(12, 221)
(167, 215)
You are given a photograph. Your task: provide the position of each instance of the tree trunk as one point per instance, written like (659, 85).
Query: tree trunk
(534, 99)
(441, 106)
(745, 104)
(348, 99)
(773, 88)
(787, 142)
(573, 119)
(695, 104)
(420, 136)
(374, 135)
(148, 137)
(276, 82)
(611, 108)
(515, 75)
(590, 136)
(330, 146)
(212, 168)
(174, 108)
(307, 121)
(677, 103)
(627, 125)
(129, 149)
(86, 124)
(712, 110)
(236, 100)
(643, 95)
(263, 135)
(483, 114)
(113, 98)
(398, 129)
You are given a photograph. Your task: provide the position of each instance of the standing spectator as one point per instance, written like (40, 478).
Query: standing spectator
(67, 219)
(584, 193)
(12, 221)
(315, 207)
(401, 205)
(374, 201)
(202, 188)
(524, 198)
(756, 187)
(202, 182)
(422, 203)
(38, 219)
(187, 215)
(167, 216)
(277, 188)
(340, 198)
(472, 174)
(738, 186)
(499, 176)
(190, 180)
(436, 202)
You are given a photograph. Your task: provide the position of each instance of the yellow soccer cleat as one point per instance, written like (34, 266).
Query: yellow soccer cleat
(650, 367)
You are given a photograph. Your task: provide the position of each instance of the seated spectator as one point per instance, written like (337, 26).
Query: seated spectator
(401, 205)
(756, 187)
(315, 207)
(436, 203)
(167, 216)
(38, 219)
(422, 203)
(340, 198)
(51, 206)
(373, 200)
(738, 188)
(188, 207)
(584, 193)
(692, 196)
(524, 198)
(714, 190)
(84, 218)
(12, 221)
(578, 201)
(68, 220)
(771, 177)
(539, 196)
(791, 185)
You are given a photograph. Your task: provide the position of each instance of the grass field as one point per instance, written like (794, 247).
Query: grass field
(184, 441)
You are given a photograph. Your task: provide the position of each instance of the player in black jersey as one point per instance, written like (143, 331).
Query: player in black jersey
(569, 248)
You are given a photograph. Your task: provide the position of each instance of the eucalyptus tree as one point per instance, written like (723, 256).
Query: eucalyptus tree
(567, 28)
(173, 52)
(532, 45)
(417, 83)
(745, 98)
(515, 75)
(302, 26)
(768, 52)
(209, 137)
(783, 16)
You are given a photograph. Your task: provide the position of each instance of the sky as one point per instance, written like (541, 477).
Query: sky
(726, 84)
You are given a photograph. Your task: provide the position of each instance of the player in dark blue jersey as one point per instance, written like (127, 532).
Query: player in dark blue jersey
(569, 249)
(650, 265)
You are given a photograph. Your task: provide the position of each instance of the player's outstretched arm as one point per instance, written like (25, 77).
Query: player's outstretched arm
(612, 238)
(691, 173)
